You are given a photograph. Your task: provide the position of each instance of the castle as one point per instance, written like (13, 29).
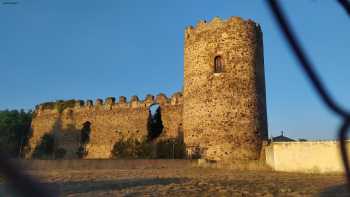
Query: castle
(221, 113)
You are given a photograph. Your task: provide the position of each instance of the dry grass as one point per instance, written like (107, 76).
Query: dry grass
(236, 165)
(186, 182)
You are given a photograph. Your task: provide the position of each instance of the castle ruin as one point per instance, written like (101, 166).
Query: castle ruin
(221, 112)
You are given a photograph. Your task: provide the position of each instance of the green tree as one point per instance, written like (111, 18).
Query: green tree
(155, 124)
(14, 131)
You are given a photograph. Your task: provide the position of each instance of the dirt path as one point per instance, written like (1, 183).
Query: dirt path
(187, 182)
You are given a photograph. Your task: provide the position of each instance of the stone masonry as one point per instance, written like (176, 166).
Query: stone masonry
(110, 121)
(222, 115)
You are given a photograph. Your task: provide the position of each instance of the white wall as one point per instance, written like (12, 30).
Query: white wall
(310, 156)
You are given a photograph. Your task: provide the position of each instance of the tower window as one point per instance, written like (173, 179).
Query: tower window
(218, 65)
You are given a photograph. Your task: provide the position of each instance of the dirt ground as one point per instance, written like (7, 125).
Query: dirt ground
(187, 182)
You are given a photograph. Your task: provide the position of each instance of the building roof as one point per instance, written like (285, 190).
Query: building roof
(282, 138)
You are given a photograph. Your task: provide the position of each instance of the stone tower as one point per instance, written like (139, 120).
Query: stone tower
(224, 114)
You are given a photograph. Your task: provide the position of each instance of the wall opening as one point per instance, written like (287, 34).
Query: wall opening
(155, 124)
(218, 64)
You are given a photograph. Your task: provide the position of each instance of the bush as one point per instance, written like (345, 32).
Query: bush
(82, 152)
(171, 149)
(46, 147)
(60, 153)
(132, 149)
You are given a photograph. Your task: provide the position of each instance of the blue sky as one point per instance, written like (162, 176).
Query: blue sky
(86, 49)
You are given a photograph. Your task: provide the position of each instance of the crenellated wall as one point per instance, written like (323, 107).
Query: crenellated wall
(110, 121)
(221, 116)
(171, 111)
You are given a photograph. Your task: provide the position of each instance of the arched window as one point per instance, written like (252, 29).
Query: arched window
(218, 64)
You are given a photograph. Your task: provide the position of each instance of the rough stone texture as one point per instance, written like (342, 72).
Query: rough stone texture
(171, 112)
(224, 113)
(221, 115)
(110, 122)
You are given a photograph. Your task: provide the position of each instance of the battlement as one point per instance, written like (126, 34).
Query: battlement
(221, 116)
(110, 102)
(216, 23)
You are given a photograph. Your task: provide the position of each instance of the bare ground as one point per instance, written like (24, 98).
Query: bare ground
(189, 182)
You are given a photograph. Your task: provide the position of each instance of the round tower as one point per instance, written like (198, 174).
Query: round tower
(224, 114)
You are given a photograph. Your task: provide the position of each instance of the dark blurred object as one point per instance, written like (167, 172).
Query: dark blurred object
(23, 184)
(346, 5)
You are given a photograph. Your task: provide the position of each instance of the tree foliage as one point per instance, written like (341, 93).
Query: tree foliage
(132, 149)
(155, 125)
(84, 140)
(14, 131)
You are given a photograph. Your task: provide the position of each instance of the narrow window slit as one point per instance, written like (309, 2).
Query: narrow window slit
(218, 64)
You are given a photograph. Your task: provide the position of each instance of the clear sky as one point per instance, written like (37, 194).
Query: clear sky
(88, 49)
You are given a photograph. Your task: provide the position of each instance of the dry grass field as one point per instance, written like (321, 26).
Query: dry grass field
(186, 182)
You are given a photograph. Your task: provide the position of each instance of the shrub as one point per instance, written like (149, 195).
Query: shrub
(60, 153)
(46, 147)
(82, 152)
(132, 149)
(170, 149)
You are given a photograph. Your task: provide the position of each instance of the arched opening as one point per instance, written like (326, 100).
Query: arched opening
(218, 64)
(153, 109)
(155, 124)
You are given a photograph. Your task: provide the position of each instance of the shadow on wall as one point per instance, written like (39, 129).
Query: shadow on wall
(172, 148)
(84, 139)
(154, 145)
(144, 149)
(67, 141)
(59, 142)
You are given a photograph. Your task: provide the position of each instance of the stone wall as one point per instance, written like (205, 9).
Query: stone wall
(224, 113)
(307, 157)
(110, 121)
(171, 112)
